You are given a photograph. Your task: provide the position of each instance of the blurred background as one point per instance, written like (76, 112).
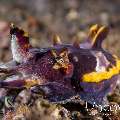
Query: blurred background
(69, 18)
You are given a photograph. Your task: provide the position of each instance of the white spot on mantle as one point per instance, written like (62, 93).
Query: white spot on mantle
(75, 58)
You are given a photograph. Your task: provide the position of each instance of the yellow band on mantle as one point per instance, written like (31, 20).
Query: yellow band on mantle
(100, 76)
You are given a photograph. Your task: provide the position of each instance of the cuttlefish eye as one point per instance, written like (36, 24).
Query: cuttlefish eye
(61, 60)
(60, 63)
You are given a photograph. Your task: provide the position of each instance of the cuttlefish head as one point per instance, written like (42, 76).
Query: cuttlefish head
(62, 61)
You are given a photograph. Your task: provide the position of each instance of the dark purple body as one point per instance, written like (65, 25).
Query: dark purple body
(59, 87)
(84, 61)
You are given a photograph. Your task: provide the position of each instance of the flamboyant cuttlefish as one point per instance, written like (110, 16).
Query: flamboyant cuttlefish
(64, 70)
